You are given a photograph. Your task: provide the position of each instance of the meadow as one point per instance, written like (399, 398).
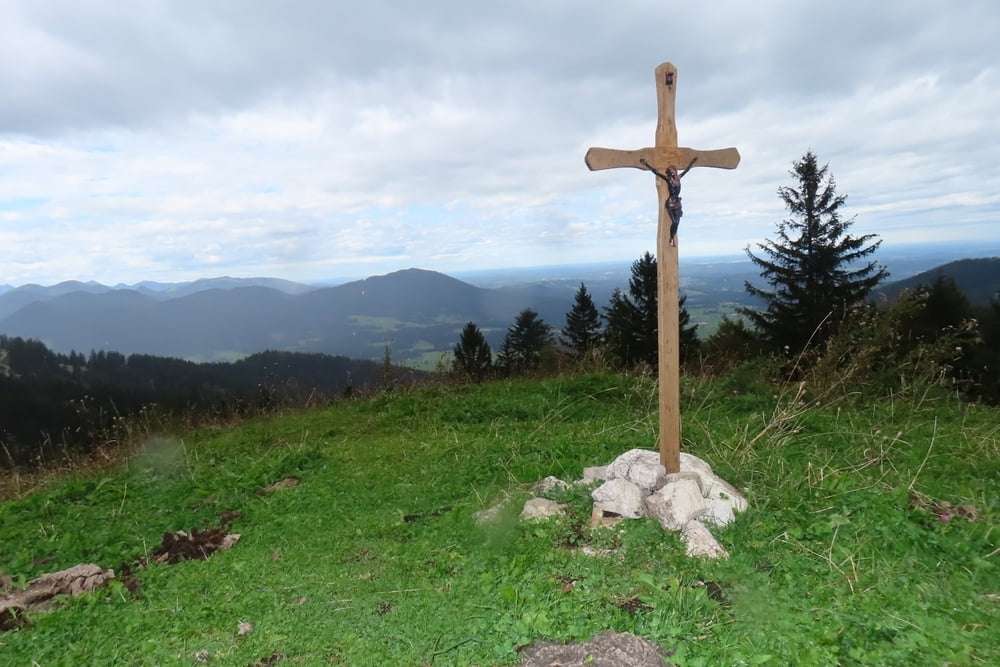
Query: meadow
(871, 536)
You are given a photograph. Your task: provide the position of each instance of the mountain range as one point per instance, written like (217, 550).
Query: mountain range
(417, 313)
(414, 311)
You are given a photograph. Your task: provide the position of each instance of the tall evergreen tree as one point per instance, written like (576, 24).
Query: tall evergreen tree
(633, 321)
(620, 319)
(689, 342)
(473, 354)
(525, 343)
(583, 324)
(815, 270)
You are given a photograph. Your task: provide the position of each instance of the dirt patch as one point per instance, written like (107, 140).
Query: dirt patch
(179, 546)
(286, 483)
(410, 518)
(943, 509)
(609, 649)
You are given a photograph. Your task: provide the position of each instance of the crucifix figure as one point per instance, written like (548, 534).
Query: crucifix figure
(663, 159)
(673, 180)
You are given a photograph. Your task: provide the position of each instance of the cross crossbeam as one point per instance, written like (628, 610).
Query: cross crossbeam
(664, 154)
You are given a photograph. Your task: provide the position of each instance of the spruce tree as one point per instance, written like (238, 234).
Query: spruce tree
(583, 324)
(631, 335)
(473, 354)
(689, 342)
(525, 343)
(619, 316)
(815, 269)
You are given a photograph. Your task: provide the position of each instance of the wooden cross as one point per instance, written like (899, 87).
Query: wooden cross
(666, 153)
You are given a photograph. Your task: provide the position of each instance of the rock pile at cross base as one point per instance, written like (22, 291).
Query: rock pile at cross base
(636, 485)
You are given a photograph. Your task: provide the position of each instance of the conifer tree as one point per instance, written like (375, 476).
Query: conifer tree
(689, 342)
(619, 343)
(815, 269)
(583, 324)
(633, 322)
(525, 343)
(473, 354)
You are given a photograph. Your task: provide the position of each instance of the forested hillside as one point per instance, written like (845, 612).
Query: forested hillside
(978, 279)
(54, 404)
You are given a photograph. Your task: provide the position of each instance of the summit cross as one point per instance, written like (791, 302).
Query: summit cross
(661, 157)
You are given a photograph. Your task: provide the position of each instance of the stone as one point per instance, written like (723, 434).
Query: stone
(718, 512)
(642, 467)
(719, 489)
(73, 581)
(595, 474)
(676, 504)
(542, 508)
(678, 476)
(619, 496)
(712, 485)
(549, 484)
(700, 541)
(609, 649)
(691, 463)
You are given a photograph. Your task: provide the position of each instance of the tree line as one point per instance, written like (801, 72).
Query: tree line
(815, 314)
(625, 335)
(57, 404)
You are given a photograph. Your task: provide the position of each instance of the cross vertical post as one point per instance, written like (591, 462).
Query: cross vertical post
(666, 153)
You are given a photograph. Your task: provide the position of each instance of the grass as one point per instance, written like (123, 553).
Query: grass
(376, 556)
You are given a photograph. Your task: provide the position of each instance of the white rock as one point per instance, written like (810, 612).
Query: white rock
(595, 474)
(541, 508)
(718, 512)
(691, 463)
(676, 504)
(619, 496)
(672, 477)
(712, 485)
(701, 542)
(642, 467)
(548, 484)
(719, 489)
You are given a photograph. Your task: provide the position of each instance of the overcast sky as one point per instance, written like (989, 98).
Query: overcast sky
(311, 139)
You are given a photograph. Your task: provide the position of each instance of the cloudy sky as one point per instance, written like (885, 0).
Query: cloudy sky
(311, 139)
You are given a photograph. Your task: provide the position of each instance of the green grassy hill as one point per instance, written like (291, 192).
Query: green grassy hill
(854, 550)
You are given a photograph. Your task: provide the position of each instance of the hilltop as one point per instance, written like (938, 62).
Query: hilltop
(868, 539)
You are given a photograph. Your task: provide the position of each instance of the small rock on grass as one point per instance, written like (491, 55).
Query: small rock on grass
(609, 649)
(700, 541)
(542, 508)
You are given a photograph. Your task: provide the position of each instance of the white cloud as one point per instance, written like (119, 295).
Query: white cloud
(158, 141)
